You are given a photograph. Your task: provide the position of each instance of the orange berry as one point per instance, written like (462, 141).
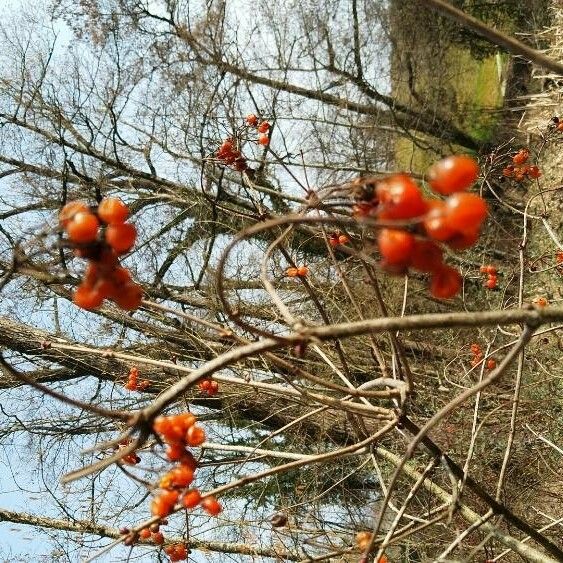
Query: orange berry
(461, 241)
(121, 276)
(263, 139)
(427, 256)
(175, 451)
(251, 120)
(292, 272)
(395, 245)
(435, 223)
(491, 363)
(113, 211)
(158, 538)
(195, 436)
(145, 534)
(465, 212)
(129, 297)
(189, 461)
(302, 271)
(491, 283)
(83, 227)
(363, 539)
(263, 127)
(211, 505)
(121, 236)
(453, 174)
(67, 213)
(521, 156)
(87, 297)
(399, 198)
(191, 498)
(445, 282)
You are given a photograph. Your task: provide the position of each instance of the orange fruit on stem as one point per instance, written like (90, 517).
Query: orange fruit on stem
(427, 256)
(465, 212)
(191, 498)
(453, 174)
(67, 213)
(211, 505)
(121, 236)
(83, 227)
(445, 283)
(195, 436)
(113, 211)
(399, 198)
(395, 245)
(87, 297)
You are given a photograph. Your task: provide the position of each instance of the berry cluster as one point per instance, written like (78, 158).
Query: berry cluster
(133, 383)
(455, 222)
(153, 533)
(478, 357)
(100, 236)
(338, 239)
(229, 155)
(299, 272)
(177, 432)
(492, 279)
(208, 386)
(263, 128)
(518, 170)
(176, 552)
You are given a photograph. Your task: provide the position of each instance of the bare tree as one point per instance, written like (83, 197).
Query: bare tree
(347, 402)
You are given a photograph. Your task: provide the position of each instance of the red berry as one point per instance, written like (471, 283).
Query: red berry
(445, 283)
(83, 227)
(302, 271)
(263, 127)
(121, 236)
(87, 297)
(491, 283)
(395, 245)
(145, 534)
(191, 498)
(426, 256)
(491, 363)
(195, 436)
(521, 156)
(464, 240)
(399, 198)
(251, 120)
(68, 212)
(112, 211)
(453, 174)
(534, 172)
(211, 505)
(263, 139)
(465, 212)
(435, 222)
(158, 538)
(129, 297)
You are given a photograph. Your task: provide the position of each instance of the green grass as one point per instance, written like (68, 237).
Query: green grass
(475, 94)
